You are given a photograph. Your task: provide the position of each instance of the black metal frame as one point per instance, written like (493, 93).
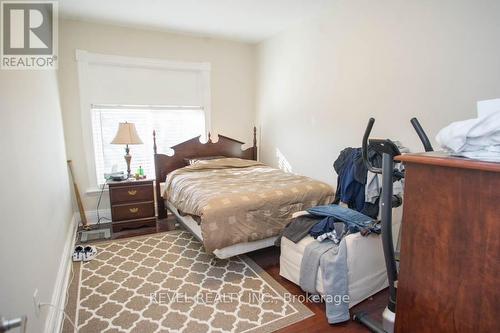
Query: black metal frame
(389, 150)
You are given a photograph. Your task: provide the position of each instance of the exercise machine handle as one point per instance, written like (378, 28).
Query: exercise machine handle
(364, 147)
(421, 134)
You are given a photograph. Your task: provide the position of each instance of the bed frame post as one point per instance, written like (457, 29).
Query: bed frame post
(160, 205)
(154, 141)
(255, 143)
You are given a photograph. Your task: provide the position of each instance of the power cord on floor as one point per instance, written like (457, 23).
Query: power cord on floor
(62, 311)
(99, 218)
(40, 305)
(67, 293)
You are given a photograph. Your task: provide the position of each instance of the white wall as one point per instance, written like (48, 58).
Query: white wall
(232, 78)
(319, 82)
(35, 197)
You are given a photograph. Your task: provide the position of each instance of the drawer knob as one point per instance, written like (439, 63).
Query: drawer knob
(134, 210)
(132, 192)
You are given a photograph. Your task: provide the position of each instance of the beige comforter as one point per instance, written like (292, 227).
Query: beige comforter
(241, 200)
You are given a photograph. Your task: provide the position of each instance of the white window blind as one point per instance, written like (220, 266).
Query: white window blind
(110, 84)
(173, 125)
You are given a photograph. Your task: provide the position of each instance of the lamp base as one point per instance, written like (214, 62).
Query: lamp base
(128, 158)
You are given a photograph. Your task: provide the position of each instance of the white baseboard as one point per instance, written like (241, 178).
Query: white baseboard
(54, 321)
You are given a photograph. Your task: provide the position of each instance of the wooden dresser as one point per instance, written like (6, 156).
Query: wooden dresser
(450, 248)
(132, 204)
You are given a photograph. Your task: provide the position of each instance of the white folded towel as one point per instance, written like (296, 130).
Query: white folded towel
(474, 138)
(483, 155)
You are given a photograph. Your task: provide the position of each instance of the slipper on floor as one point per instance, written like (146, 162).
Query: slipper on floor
(78, 253)
(89, 253)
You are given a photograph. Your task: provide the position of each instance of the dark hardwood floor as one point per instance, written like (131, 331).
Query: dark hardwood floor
(268, 259)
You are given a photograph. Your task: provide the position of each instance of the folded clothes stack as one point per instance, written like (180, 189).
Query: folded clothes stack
(474, 138)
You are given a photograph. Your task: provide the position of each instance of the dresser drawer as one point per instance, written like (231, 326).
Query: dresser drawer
(128, 194)
(133, 211)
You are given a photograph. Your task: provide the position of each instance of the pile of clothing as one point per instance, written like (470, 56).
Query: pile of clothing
(359, 188)
(477, 138)
(329, 224)
(332, 222)
(355, 209)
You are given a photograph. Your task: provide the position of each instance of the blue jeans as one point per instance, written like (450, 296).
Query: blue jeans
(355, 221)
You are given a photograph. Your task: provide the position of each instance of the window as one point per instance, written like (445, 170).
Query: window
(173, 125)
(143, 91)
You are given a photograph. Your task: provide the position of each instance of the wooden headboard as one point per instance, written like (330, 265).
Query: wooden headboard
(192, 148)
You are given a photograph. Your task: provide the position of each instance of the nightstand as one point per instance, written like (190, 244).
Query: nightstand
(132, 204)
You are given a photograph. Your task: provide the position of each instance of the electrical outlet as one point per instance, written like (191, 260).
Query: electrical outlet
(36, 302)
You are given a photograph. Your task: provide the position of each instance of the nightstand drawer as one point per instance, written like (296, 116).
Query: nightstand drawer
(133, 211)
(128, 194)
(132, 224)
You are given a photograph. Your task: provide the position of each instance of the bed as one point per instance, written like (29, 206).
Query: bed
(365, 262)
(232, 204)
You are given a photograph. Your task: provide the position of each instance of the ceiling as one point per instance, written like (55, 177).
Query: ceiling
(245, 20)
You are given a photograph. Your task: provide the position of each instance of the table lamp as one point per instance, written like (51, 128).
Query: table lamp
(127, 135)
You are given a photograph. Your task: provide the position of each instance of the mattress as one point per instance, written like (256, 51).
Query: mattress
(365, 262)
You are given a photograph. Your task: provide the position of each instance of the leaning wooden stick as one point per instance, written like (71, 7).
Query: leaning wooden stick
(83, 218)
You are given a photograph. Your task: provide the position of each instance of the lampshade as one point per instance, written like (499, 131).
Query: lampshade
(126, 135)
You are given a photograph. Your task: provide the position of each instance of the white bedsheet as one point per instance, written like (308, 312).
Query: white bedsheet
(365, 262)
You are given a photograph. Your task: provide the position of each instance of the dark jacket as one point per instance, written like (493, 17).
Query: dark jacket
(351, 180)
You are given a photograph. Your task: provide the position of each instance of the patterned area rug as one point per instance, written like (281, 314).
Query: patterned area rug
(166, 283)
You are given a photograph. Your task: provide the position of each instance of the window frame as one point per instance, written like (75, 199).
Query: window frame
(85, 58)
(146, 136)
